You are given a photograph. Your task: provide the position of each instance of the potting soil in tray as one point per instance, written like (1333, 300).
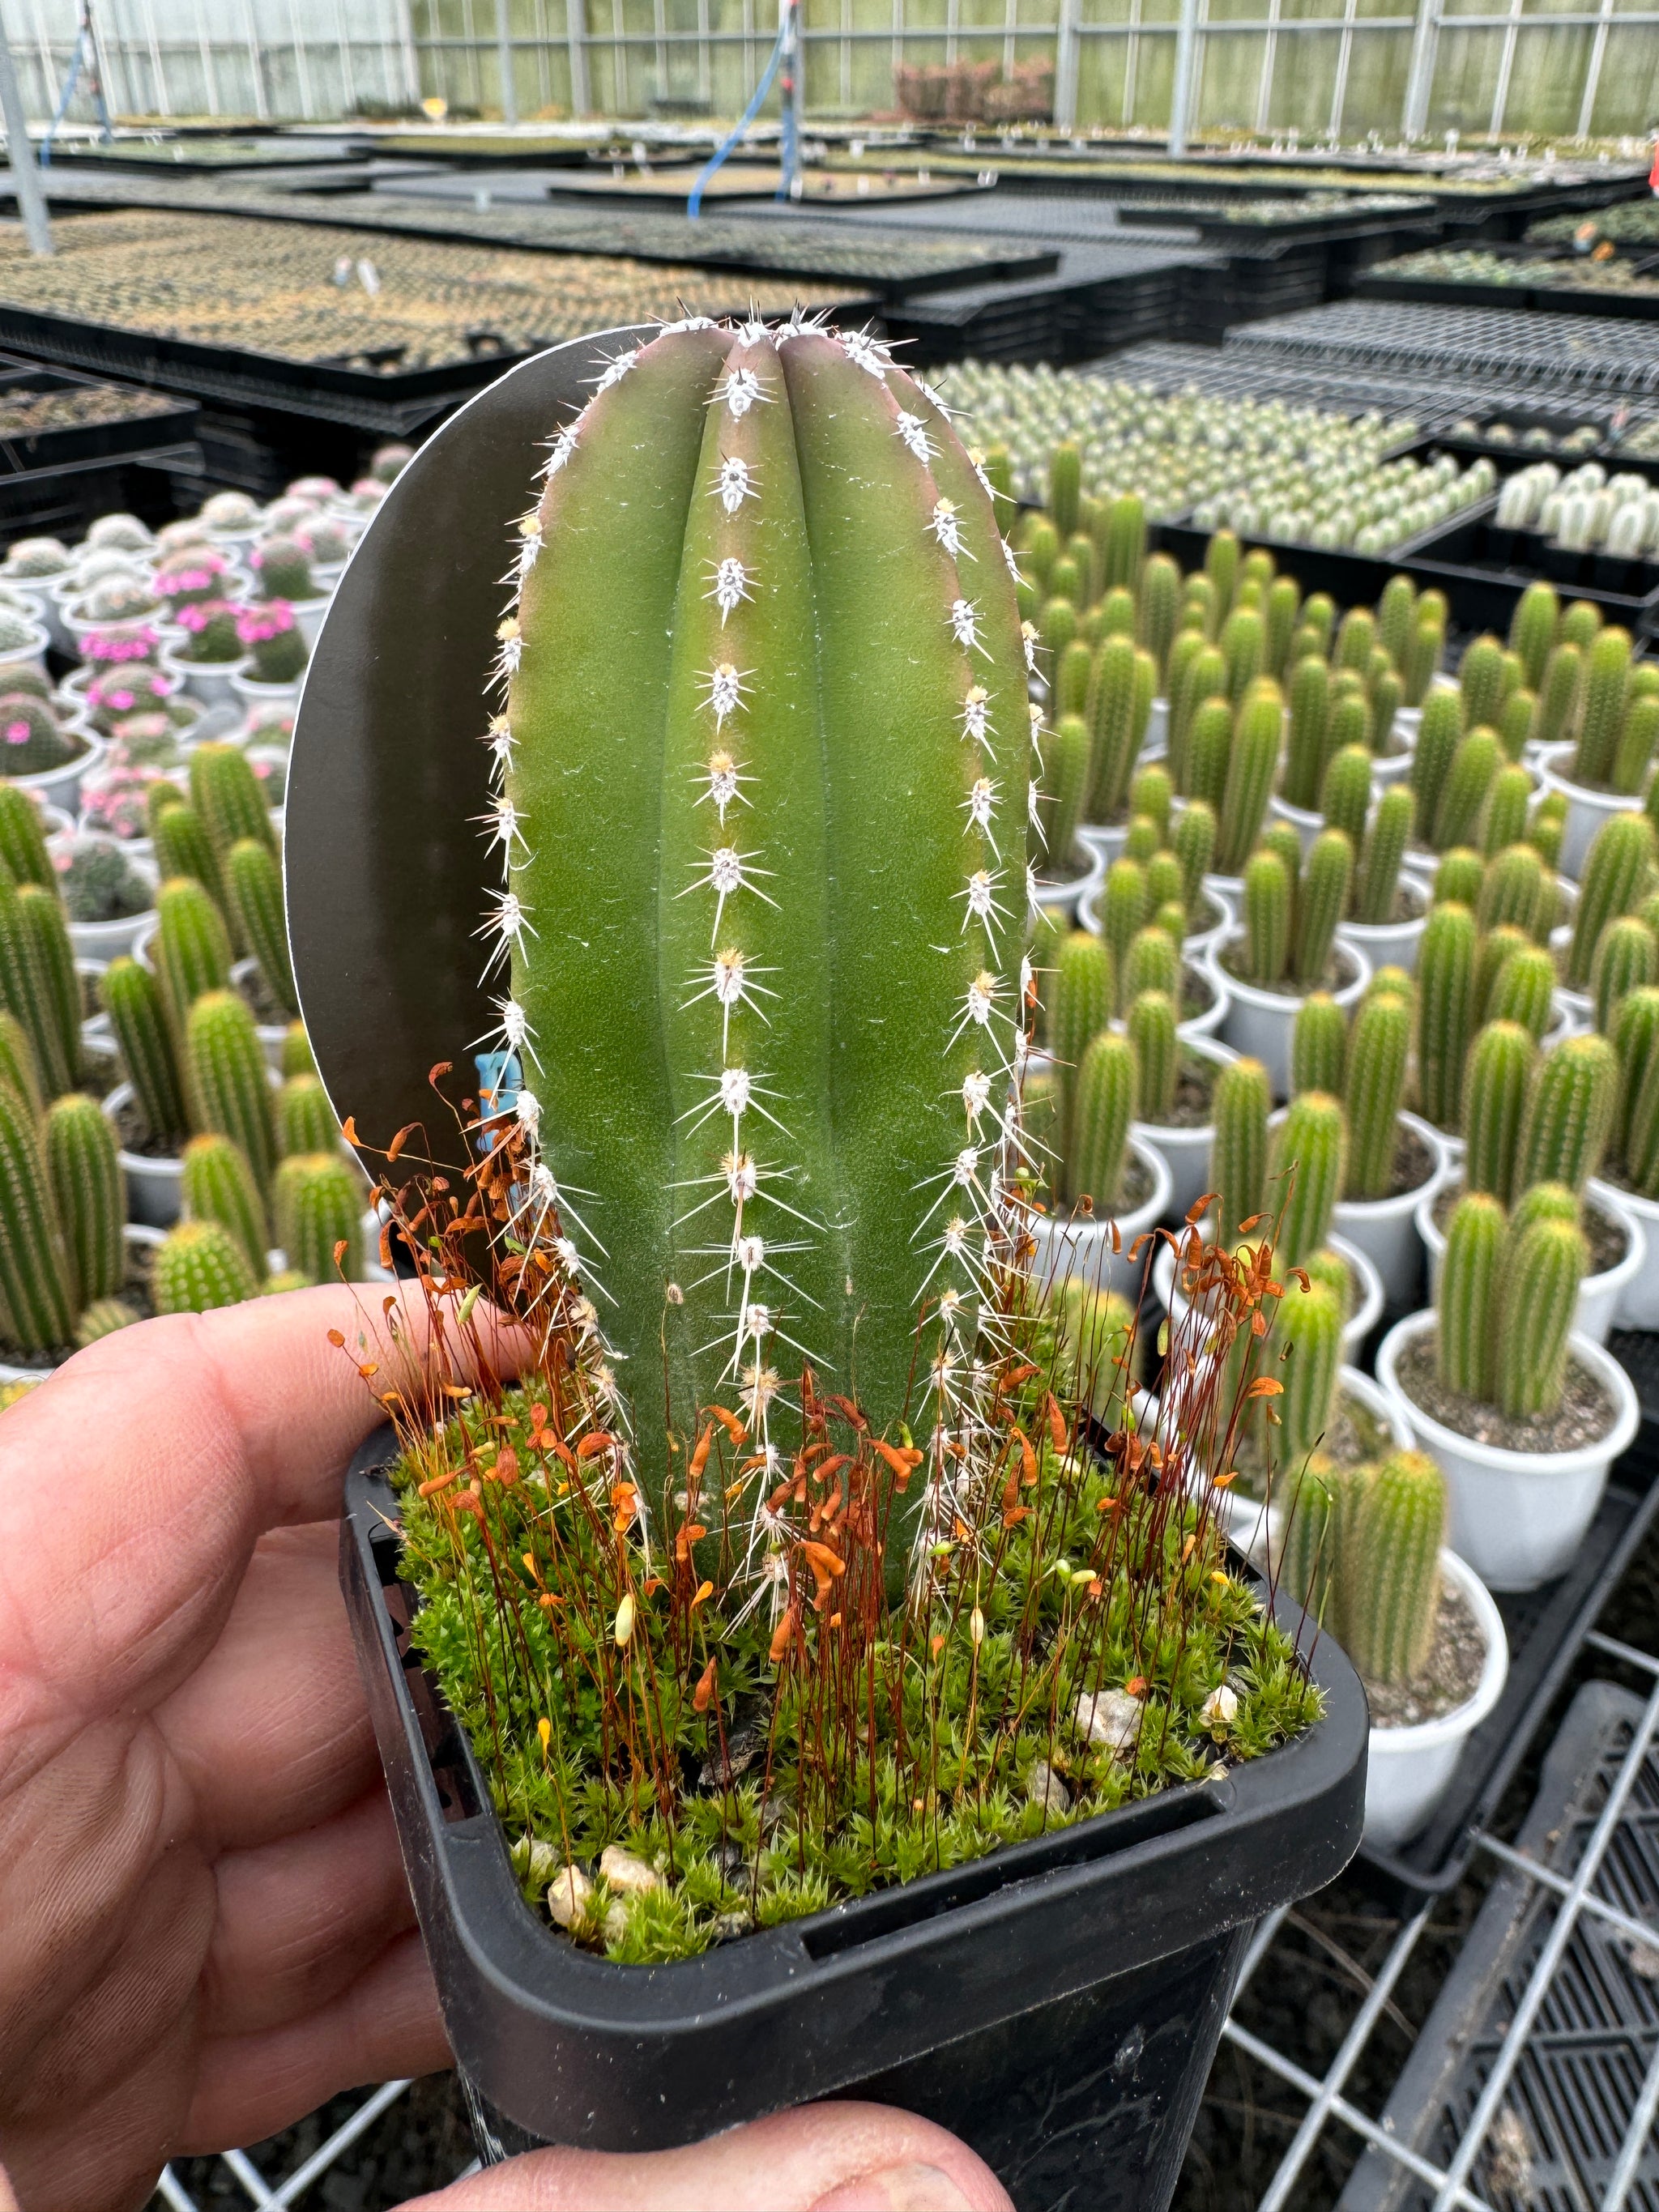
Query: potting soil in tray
(1450, 1676)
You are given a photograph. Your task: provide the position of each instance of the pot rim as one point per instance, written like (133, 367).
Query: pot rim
(1265, 1001)
(1543, 1465)
(1462, 1720)
(1383, 1209)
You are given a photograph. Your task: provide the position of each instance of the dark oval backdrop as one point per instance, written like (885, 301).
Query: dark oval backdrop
(385, 863)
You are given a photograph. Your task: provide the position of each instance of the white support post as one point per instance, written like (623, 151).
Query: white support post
(1344, 56)
(158, 65)
(504, 60)
(575, 34)
(1500, 98)
(1425, 38)
(256, 62)
(1592, 73)
(1066, 57)
(25, 175)
(1264, 83)
(1181, 92)
(405, 33)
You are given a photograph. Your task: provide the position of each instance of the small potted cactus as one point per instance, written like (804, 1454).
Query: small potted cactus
(230, 520)
(1630, 1164)
(1605, 764)
(120, 602)
(876, 1957)
(116, 697)
(193, 575)
(1388, 910)
(1175, 1096)
(1363, 1547)
(23, 642)
(1288, 948)
(1532, 1117)
(38, 753)
(211, 652)
(278, 654)
(1523, 1415)
(1617, 877)
(108, 894)
(282, 571)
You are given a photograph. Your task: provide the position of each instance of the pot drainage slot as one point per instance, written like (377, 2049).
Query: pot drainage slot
(445, 1752)
(935, 1894)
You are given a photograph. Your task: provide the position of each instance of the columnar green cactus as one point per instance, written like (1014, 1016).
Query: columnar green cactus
(1636, 1039)
(1378, 1056)
(1616, 871)
(89, 1194)
(1502, 819)
(1439, 736)
(1468, 1284)
(1581, 623)
(1080, 1003)
(1516, 721)
(37, 1302)
(1349, 721)
(1122, 909)
(1559, 696)
(1285, 843)
(1284, 604)
(1204, 676)
(1304, 750)
(1541, 1271)
(1570, 1110)
(1104, 1107)
(1152, 794)
(1064, 484)
(1458, 877)
(1209, 750)
(1141, 843)
(17, 1068)
(253, 890)
(1244, 647)
(1192, 839)
(226, 1081)
(1480, 682)
(225, 791)
(131, 997)
(318, 1206)
(199, 1266)
(1396, 617)
(1250, 771)
(1606, 671)
(1377, 883)
(1308, 1169)
(1423, 655)
(183, 846)
(191, 949)
(1111, 714)
(1267, 918)
(1638, 736)
(1122, 537)
(1388, 696)
(1388, 1567)
(1356, 640)
(217, 1185)
(1057, 625)
(1512, 890)
(1306, 1354)
(23, 839)
(1040, 549)
(1321, 902)
(1532, 630)
(305, 1120)
(1495, 1089)
(1627, 958)
(1238, 1156)
(1523, 990)
(298, 1058)
(1152, 1030)
(1474, 766)
(39, 981)
(1221, 567)
(1152, 964)
(1445, 1011)
(1319, 1045)
(1344, 797)
(1065, 789)
(1072, 678)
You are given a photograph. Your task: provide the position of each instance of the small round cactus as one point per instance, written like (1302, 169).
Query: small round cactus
(197, 1266)
(318, 1206)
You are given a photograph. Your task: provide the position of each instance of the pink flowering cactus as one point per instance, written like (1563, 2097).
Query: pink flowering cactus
(116, 803)
(15, 731)
(197, 576)
(267, 631)
(109, 697)
(114, 648)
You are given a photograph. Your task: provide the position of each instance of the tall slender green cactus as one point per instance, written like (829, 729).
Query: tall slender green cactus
(1559, 696)
(1072, 678)
(1203, 676)
(1304, 748)
(1378, 1052)
(1150, 1028)
(39, 982)
(17, 1068)
(1110, 717)
(1569, 1111)
(217, 1185)
(253, 890)
(1123, 911)
(1532, 628)
(1243, 643)
(37, 1302)
(1064, 484)
(183, 847)
(1104, 1105)
(1474, 765)
(1389, 1568)
(1193, 840)
(199, 1266)
(1606, 671)
(1616, 871)
(1345, 796)
(1396, 617)
(1284, 605)
(1388, 696)
(1080, 1003)
(1349, 721)
(1221, 567)
(1308, 1168)
(1321, 902)
(1066, 757)
(1503, 820)
(225, 791)
(1445, 1011)
(1459, 876)
(1157, 604)
(1209, 751)
(1377, 883)
(1152, 962)
(1356, 639)
(1469, 1285)
(1250, 771)
(1627, 958)
(1123, 540)
(133, 998)
(305, 1120)
(1423, 655)
(191, 949)
(1541, 1271)
(298, 1058)
(226, 1081)
(1319, 1045)
(23, 839)
(1516, 722)
(1512, 890)
(1152, 794)
(1523, 990)
(1238, 1157)
(89, 1194)
(1438, 737)
(1307, 1352)
(1638, 735)
(1496, 1084)
(318, 1201)
(1267, 918)
(1636, 1135)
(1480, 682)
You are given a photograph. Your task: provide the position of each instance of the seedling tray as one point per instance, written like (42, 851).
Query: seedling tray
(1541, 299)
(76, 443)
(1546, 1629)
(1484, 571)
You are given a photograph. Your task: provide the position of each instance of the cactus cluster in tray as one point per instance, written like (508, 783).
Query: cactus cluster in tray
(1508, 1295)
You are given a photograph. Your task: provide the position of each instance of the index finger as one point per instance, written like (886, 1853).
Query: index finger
(135, 1483)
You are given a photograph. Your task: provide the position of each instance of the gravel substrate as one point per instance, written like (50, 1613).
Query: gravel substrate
(1586, 1411)
(1450, 1676)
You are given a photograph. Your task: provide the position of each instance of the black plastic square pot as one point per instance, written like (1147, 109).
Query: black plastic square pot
(1056, 2004)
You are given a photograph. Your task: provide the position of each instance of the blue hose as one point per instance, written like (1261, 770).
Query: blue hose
(694, 205)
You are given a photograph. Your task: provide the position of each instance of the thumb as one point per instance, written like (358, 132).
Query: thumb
(821, 2158)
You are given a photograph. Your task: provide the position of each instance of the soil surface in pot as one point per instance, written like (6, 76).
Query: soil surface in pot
(1585, 1413)
(1195, 1087)
(1408, 904)
(1413, 1164)
(1449, 1677)
(1607, 1238)
(267, 1008)
(1340, 971)
(133, 1131)
(1136, 1189)
(1197, 992)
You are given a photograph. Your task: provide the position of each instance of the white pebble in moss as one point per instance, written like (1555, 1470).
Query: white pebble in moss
(1220, 1709)
(624, 1873)
(568, 1896)
(1044, 1787)
(1111, 1718)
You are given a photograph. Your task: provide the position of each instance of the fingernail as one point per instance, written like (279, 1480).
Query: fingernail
(899, 2188)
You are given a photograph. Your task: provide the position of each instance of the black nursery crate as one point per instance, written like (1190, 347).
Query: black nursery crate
(1546, 1629)
(1483, 571)
(1352, 579)
(64, 500)
(145, 430)
(1542, 299)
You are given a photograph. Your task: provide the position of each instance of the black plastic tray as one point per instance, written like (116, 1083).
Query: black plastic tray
(1478, 570)
(79, 443)
(1542, 299)
(1546, 1629)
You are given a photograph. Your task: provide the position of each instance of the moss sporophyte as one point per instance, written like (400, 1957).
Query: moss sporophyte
(817, 1544)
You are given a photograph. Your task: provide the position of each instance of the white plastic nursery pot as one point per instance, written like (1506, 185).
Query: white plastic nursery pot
(1306, 821)
(1586, 809)
(61, 787)
(1254, 1524)
(1104, 841)
(272, 1035)
(153, 1185)
(107, 941)
(1080, 1251)
(1367, 1284)
(1259, 1023)
(31, 655)
(1386, 1229)
(1409, 1768)
(1062, 892)
(252, 693)
(1638, 1298)
(1391, 767)
(1209, 1021)
(212, 682)
(1391, 944)
(1600, 1296)
(1186, 1152)
(1193, 947)
(1517, 1517)
(1156, 744)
